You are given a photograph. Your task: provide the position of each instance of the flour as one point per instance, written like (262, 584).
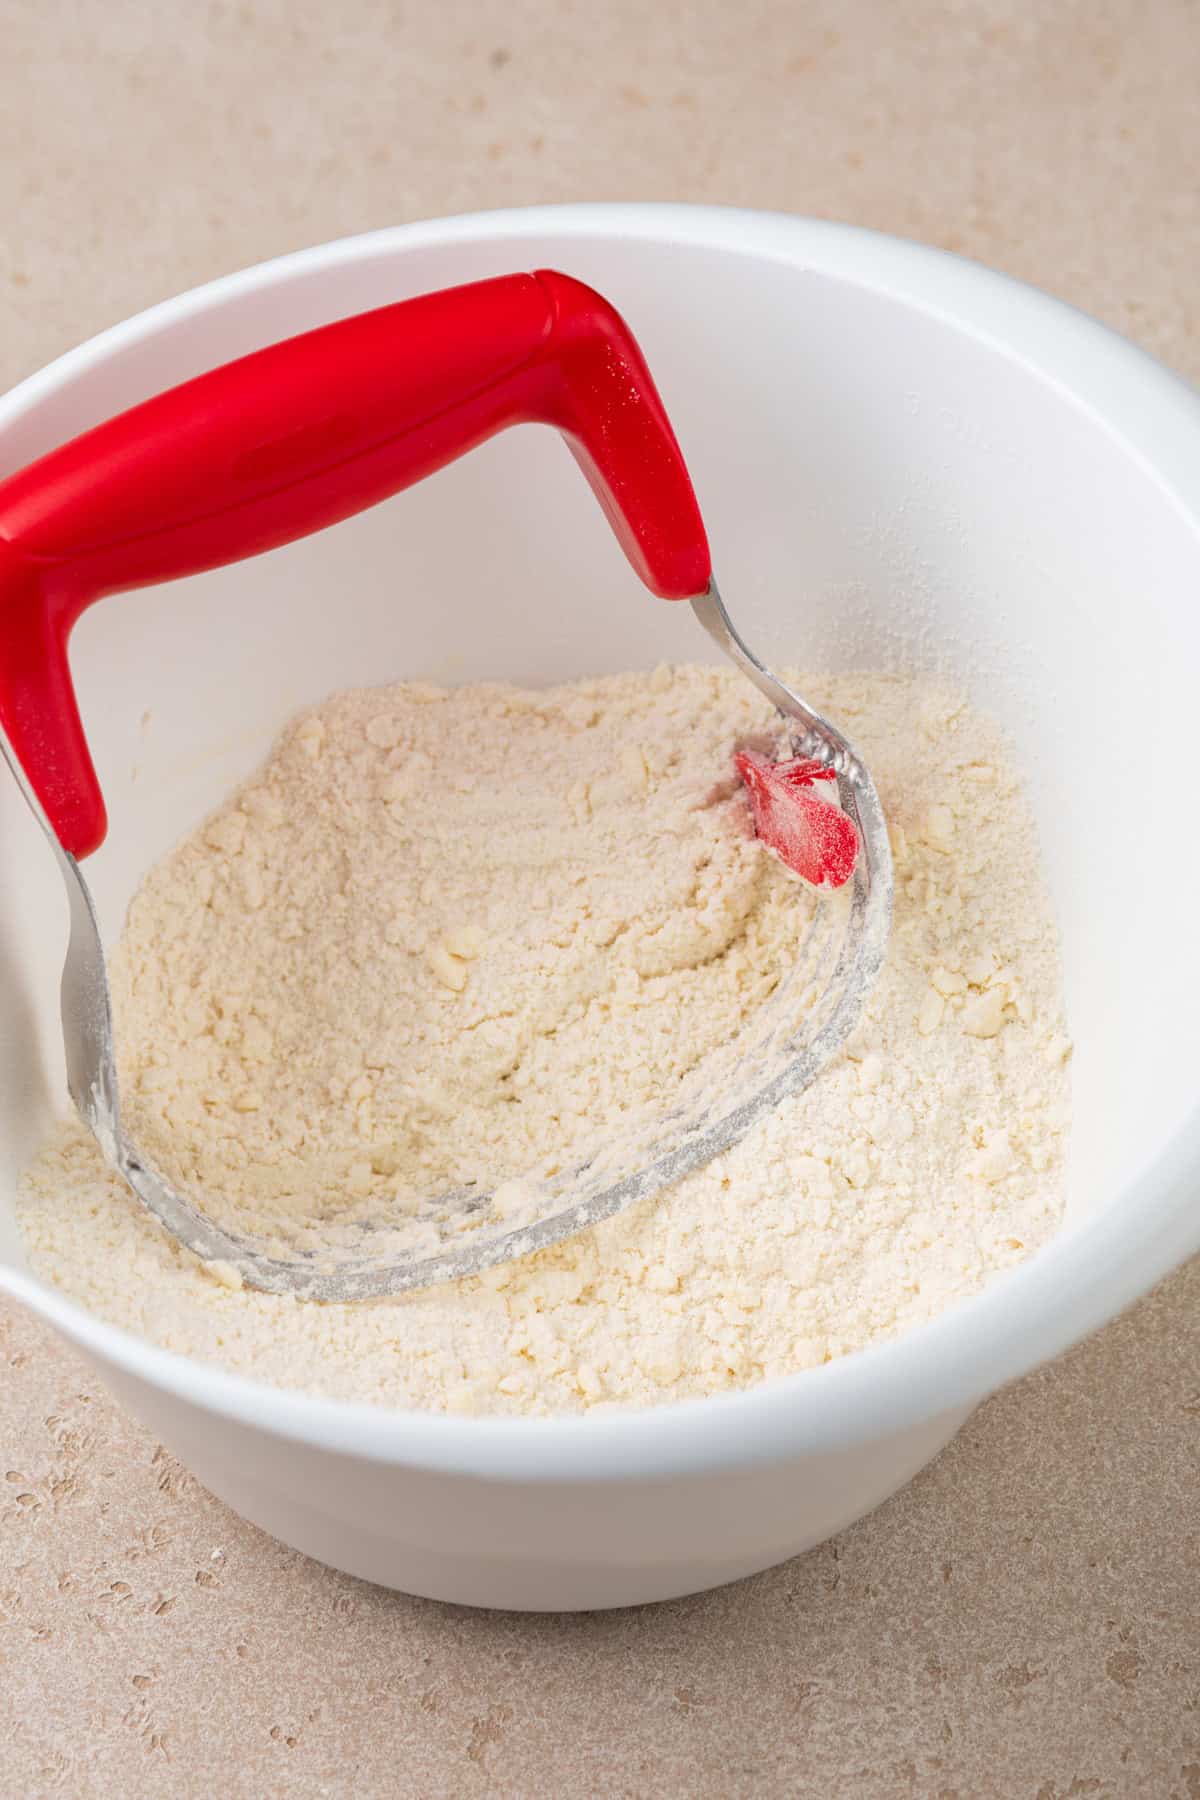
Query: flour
(444, 936)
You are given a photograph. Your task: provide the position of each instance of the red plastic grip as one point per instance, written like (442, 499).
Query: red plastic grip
(293, 438)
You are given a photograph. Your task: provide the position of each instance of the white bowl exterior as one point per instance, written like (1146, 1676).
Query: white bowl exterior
(904, 461)
(542, 1544)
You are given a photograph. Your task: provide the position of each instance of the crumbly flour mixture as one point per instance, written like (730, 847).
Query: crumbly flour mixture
(443, 934)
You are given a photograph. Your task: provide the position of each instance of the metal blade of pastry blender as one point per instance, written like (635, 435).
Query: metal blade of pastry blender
(584, 1196)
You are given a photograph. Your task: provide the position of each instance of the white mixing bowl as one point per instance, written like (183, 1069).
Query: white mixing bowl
(904, 461)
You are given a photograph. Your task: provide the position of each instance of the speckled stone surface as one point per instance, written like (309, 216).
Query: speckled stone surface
(1025, 1619)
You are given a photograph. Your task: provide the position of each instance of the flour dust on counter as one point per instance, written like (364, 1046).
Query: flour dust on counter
(445, 932)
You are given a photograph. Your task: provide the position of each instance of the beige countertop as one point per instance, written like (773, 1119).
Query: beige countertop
(1025, 1619)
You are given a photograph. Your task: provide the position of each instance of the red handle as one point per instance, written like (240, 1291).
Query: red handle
(295, 437)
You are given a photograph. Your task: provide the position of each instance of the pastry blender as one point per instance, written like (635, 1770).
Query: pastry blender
(293, 438)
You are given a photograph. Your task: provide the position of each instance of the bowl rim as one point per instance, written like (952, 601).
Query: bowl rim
(1084, 1276)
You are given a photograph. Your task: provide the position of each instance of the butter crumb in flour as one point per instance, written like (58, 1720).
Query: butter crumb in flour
(442, 933)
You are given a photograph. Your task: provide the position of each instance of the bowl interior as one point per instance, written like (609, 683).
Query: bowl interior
(884, 487)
